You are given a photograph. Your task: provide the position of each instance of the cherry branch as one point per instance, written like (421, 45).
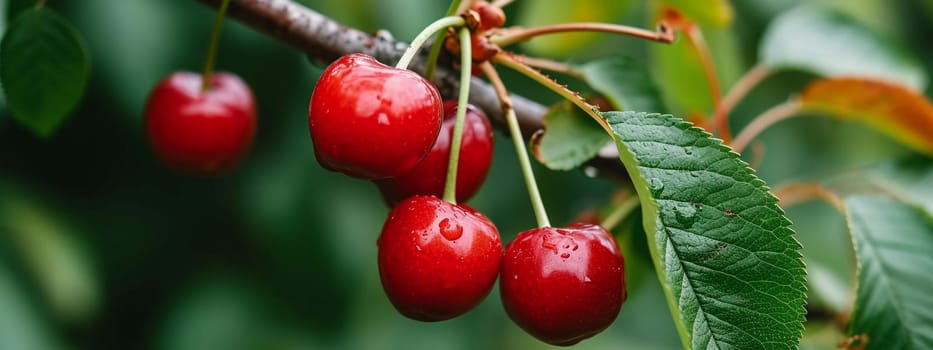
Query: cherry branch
(324, 40)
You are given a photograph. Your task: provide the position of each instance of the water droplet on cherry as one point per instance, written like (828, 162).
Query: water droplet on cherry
(450, 230)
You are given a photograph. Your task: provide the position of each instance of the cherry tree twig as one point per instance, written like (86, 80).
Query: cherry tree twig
(324, 40)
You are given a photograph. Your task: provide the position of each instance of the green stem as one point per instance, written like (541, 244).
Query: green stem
(516, 133)
(438, 44)
(212, 48)
(419, 40)
(450, 187)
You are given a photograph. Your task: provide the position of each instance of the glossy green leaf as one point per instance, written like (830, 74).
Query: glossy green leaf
(725, 254)
(570, 138)
(625, 83)
(44, 69)
(816, 39)
(894, 247)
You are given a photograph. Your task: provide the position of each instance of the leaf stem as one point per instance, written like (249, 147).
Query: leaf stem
(212, 46)
(795, 193)
(553, 66)
(739, 90)
(450, 187)
(533, 193)
(695, 37)
(512, 62)
(514, 35)
(426, 33)
(438, 44)
(622, 211)
(764, 120)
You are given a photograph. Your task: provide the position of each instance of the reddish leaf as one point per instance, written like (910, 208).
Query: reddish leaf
(893, 109)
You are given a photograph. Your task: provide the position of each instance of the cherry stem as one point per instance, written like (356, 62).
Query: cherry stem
(739, 90)
(533, 193)
(773, 115)
(212, 48)
(466, 54)
(512, 62)
(514, 35)
(620, 212)
(425, 34)
(438, 44)
(695, 37)
(795, 193)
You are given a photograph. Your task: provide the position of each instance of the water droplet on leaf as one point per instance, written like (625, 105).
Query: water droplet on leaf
(655, 186)
(685, 214)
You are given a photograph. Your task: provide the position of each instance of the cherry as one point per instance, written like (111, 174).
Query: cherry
(372, 121)
(563, 285)
(199, 131)
(437, 260)
(430, 175)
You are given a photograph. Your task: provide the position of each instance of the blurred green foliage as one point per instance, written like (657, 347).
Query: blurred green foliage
(101, 247)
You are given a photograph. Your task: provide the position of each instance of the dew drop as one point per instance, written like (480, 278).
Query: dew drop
(515, 276)
(450, 230)
(586, 279)
(565, 255)
(590, 171)
(688, 151)
(655, 186)
(685, 214)
(417, 247)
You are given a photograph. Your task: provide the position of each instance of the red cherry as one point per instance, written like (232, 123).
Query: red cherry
(198, 131)
(430, 175)
(437, 260)
(563, 285)
(372, 121)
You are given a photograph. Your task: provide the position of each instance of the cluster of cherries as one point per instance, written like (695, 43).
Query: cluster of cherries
(437, 259)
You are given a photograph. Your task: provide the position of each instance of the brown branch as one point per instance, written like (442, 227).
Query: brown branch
(324, 40)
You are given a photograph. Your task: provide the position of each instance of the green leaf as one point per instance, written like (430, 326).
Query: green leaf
(819, 40)
(894, 247)
(570, 138)
(625, 83)
(730, 265)
(44, 69)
